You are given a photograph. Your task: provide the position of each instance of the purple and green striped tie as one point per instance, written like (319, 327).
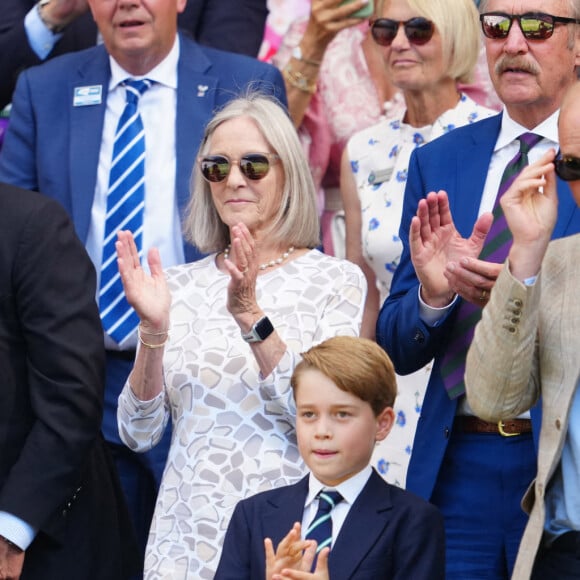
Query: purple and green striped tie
(495, 249)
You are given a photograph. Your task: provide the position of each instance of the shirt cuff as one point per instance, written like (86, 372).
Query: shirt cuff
(40, 38)
(16, 530)
(430, 315)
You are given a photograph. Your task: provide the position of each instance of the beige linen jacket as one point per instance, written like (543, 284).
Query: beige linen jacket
(527, 345)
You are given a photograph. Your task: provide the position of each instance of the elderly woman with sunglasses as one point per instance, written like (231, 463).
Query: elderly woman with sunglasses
(219, 338)
(337, 85)
(428, 47)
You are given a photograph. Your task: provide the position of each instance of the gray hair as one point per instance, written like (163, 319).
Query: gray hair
(296, 223)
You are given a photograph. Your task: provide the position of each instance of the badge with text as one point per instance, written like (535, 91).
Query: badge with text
(86, 96)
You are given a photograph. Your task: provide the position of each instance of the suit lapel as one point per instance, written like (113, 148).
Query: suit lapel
(472, 164)
(365, 522)
(86, 129)
(282, 510)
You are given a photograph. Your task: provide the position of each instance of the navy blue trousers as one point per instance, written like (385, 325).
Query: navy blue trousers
(480, 485)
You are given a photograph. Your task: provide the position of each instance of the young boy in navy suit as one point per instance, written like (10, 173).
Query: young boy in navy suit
(344, 390)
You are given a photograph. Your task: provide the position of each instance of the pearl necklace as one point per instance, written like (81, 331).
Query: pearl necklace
(265, 265)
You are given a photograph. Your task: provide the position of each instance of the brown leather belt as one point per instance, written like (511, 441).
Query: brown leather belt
(507, 428)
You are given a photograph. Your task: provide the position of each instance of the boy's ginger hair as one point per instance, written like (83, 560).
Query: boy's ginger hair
(355, 365)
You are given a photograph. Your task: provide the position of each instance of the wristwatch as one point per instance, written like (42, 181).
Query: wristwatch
(260, 331)
(55, 29)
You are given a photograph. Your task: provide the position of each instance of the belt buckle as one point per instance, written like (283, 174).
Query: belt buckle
(500, 426)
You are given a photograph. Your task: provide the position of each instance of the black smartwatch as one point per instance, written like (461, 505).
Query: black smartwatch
(260, 331)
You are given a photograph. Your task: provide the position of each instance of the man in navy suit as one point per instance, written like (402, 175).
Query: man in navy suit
(60, 142)
(62, 511)
(469, 468)
(31, 33)
(344, 390)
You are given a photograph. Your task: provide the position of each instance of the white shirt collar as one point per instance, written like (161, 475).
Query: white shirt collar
(165, 73)
(349, 489)
(510, 130)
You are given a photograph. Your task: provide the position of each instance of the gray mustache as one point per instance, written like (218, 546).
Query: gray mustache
(510, 63)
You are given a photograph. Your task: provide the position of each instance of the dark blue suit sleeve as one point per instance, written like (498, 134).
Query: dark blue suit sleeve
(15, 52)
(400, 331)
(53, 375)
(17, 158)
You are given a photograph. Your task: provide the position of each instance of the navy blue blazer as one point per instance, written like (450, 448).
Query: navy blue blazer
(389, 533)
(55, 471)
(457, 163)
(53, 147)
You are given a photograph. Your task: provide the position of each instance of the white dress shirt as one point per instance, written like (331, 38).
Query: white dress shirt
(162, 224)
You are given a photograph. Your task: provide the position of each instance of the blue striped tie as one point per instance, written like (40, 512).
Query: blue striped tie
(125, 207)
(321, 527)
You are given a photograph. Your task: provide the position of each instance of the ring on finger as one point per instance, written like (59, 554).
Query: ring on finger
(483, 296)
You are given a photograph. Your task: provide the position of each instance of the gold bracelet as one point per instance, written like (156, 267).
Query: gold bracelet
(299, 81)
(297, 54)
(309, 61)
(151, 333)
(148, 344)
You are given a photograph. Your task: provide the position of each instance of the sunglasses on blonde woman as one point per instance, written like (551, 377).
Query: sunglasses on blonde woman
(254, 166)
(534, 25)
(418, 30)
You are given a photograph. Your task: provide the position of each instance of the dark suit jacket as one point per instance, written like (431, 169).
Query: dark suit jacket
(55, 473)
(388, 534)
(457, 163)
(53, 147)
(233, 25)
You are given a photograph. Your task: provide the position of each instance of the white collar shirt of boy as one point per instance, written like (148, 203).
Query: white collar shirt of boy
(349, 489)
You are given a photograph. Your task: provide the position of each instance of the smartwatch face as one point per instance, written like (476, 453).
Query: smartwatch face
(264, 328)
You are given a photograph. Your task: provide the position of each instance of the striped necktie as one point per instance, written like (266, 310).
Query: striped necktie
(321, 527)
(125, 207)
(496, 249)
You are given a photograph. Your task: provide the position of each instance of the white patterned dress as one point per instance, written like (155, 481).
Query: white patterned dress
(233, 431)
(379, 158)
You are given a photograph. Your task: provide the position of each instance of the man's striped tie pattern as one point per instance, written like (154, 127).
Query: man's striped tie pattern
(496, 249)
(125, 208)
(321, 527)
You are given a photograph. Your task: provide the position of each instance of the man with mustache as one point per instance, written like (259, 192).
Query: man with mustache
(69, 138)
(454, 248)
